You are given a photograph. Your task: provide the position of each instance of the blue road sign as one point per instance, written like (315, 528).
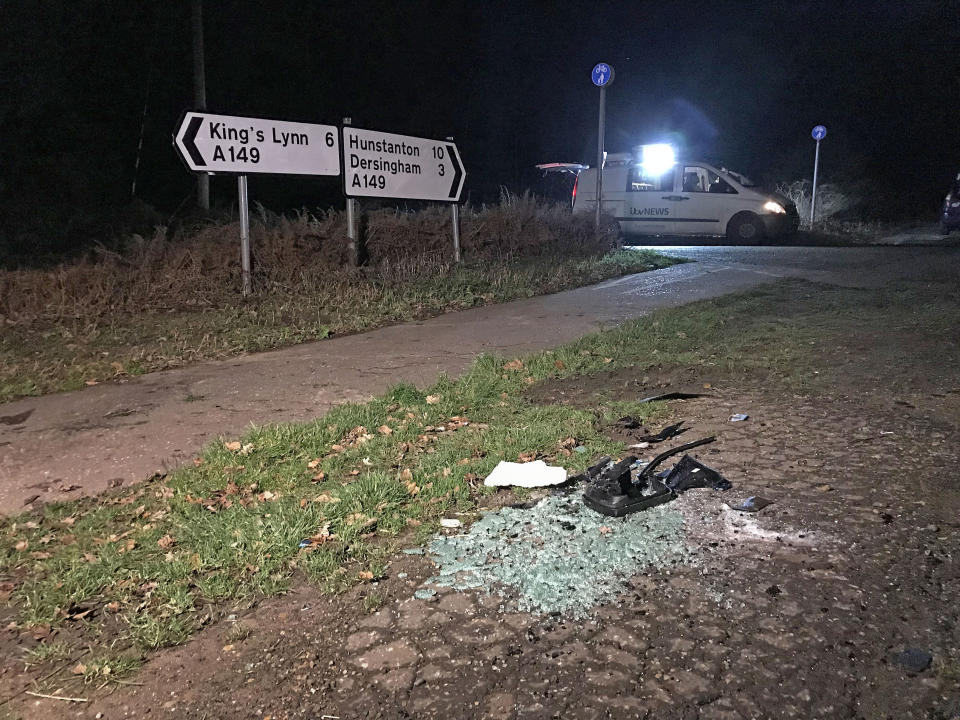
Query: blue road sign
(602, 74)
(819, 132)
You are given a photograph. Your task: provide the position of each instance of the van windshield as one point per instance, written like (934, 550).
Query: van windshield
(742, 179)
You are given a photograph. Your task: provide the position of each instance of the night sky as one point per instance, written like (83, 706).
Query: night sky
(739, 83)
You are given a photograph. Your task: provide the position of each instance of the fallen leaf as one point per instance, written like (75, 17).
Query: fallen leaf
(197, 462)
(605, 530)
(246, 449)
(79, 669)
(166, 542)
(319, 477)
(365, 575)
(526, 457)
(406, 474)
(608, 360)
(326, 498)
(313, 463)
(69, 520)
(447, 471)
(234, 446)
(90, 558)
(113, 607)
(227, 648)
(558, 364)
(433, 399)
(514, 365)
(22, 545)
(303, 502)
(118, 367)
(385, 430)
(90, 383)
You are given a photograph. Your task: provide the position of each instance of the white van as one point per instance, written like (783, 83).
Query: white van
(685, 198)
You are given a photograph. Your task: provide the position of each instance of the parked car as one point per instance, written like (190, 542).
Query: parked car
(950, 217)
(654, 194)
(557, 181)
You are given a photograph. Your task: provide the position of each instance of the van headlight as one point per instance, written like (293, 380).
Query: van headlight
(774, 207)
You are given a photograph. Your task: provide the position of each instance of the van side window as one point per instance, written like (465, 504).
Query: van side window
(717, 184)
(638, 180)
(695, 179)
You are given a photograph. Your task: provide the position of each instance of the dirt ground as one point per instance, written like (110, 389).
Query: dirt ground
(797, 611)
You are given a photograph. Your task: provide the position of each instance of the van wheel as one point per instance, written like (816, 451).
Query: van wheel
(745, 228)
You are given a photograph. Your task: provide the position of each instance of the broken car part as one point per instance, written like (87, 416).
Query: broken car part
(615, 493)
(673, 396)
(689, 473)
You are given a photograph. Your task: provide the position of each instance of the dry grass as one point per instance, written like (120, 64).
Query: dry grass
(201, 267)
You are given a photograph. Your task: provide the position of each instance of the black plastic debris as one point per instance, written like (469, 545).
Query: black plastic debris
(629, 422)
(751, 504)
(615, 492)
(668, 432)
(914, 660)
(673, 396)
(690, 473)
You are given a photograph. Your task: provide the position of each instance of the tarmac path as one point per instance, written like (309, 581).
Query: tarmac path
(61, 446)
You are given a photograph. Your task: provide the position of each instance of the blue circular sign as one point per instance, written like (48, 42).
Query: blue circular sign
(819, 132)
(602, 74)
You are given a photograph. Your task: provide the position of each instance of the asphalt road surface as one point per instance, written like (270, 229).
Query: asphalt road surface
(62, 446)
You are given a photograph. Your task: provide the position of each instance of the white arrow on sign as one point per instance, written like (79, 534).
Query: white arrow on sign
(230, 144)
(378, 164)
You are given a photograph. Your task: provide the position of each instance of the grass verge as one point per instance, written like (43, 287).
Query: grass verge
(44, 357)
(330, 500)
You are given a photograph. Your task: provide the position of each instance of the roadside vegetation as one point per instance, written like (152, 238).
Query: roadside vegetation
(173, 299)
(327, 502)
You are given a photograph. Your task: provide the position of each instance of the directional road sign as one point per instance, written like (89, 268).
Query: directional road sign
(379, 164)
(602, 74)
(229, 144)
(819, 132)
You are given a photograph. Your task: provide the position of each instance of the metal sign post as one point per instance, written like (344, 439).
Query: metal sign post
(352, 248)
(455, 223)
(818, 133)
(240, 146)
(602, 76)
(244, 235)
(386, 165)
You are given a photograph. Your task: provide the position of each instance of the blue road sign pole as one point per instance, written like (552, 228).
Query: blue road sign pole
(602, 76)
(818, 133)
(600, 130)
(813, 197)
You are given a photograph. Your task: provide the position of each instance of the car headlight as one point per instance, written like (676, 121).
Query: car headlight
(774, 207)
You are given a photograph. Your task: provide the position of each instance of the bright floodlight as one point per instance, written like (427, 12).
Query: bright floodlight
(657, 159)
